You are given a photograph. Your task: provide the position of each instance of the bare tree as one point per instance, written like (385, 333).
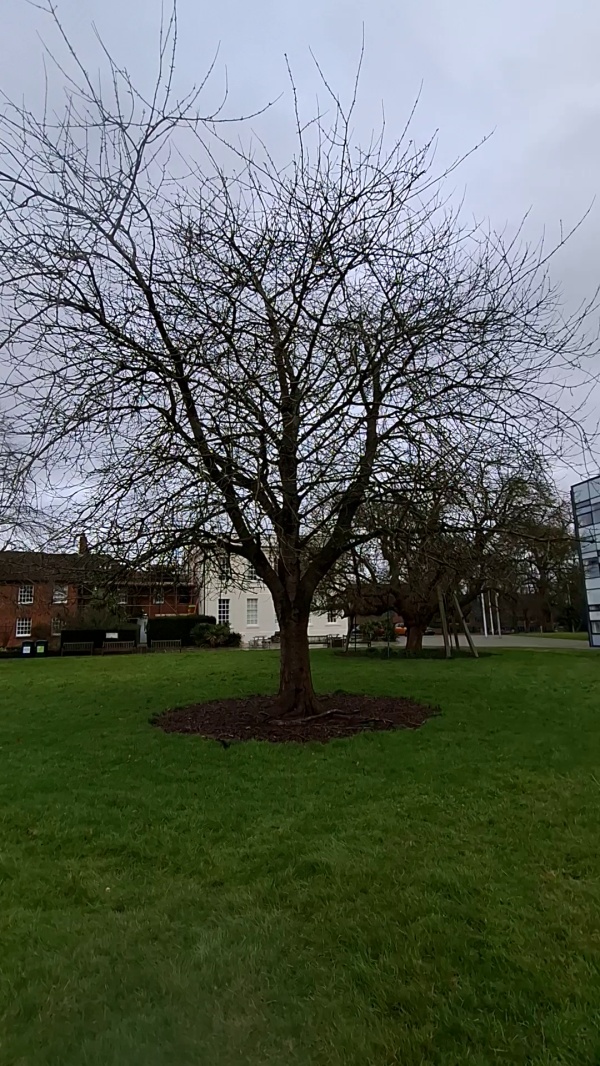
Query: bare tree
(460, 529)
(230, 355)
(471, 522)
(23, 522)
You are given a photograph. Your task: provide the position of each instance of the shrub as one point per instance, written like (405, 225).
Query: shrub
(177, 627)
(215, 636)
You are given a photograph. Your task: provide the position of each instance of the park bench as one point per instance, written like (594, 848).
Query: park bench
(165, 645)
(118, 646)
(78, 647)
(322, 641)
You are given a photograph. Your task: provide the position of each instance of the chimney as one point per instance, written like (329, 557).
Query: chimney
(83, 545)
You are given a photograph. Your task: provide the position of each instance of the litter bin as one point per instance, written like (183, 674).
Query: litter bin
(41, 647)
(28, 648)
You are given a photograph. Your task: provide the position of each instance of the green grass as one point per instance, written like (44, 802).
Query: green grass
(403, 898)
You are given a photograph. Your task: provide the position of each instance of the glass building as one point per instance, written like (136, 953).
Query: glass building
(586, 508)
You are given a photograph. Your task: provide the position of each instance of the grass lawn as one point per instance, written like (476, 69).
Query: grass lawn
(397, 898)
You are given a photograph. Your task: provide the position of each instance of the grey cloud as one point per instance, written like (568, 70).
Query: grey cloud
(527, 70)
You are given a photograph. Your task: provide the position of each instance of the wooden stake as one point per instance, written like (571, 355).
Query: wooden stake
(474, 651)
(447, 644)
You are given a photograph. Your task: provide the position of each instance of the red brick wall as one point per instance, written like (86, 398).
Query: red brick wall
(41, 611)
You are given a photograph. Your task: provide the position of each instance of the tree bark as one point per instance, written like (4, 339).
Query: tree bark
(297, 698)
(414, 637)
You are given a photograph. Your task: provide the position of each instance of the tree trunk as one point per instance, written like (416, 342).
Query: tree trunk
(297, 697)
(414, 637)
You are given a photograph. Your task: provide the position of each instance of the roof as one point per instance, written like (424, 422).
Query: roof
(76, 569)
(45, 566)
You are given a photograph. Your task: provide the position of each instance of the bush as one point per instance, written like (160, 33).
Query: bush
(207, 635)
(177, 627)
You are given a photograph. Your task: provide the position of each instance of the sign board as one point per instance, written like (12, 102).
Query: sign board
(112, 636)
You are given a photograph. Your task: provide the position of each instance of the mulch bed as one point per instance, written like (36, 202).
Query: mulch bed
(256, 718)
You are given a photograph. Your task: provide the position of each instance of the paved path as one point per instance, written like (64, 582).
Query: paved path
(515, 640)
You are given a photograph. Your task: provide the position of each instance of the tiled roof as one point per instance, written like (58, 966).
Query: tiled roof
(77, 569)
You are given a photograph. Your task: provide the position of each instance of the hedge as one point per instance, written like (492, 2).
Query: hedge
(98, 636)
(176, 627)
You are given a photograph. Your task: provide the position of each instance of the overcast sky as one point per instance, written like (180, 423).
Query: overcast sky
(525, 71)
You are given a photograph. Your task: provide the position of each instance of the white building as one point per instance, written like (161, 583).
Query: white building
(236, 595)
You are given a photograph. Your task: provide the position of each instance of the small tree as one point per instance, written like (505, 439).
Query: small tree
(230, 355)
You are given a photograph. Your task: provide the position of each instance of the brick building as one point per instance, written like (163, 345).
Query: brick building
(40, 592)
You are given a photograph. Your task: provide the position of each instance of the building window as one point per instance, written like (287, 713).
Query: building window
(56, 626)
(123, 598)
(23, 627)
(225, 573)
(595, 627)
(252, 612)
(590, 516)
(592, 568)
(26, 594)
(223, 613)
(60, 594)
(332, 616)
(159, 596)
(252, 574)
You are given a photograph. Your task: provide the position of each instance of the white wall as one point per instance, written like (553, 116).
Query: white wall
(241, 589)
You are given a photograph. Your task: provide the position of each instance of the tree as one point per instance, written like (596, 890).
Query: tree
(460, 524)
(22, 520)
(229, 355)
(541, 578)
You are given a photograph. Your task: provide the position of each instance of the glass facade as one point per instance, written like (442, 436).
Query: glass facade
(586, 509)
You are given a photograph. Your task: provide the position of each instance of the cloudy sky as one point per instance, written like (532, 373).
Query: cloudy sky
(524, 71)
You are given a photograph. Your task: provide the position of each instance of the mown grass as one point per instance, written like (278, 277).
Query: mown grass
(426, 897)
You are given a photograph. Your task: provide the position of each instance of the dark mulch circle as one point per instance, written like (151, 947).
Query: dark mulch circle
(257, 718)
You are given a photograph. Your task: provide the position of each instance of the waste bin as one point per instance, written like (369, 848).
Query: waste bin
(28, 648)
(41, 647)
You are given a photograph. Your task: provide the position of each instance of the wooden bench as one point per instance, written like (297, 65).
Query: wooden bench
(322, 641)
(165, 645)
(118, 646)
(78, 647)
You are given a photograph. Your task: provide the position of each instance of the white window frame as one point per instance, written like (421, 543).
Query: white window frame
(225, 571)
(158, 597)
(254, 620)
(56, 626)
(332, 618)
(223, 611)
(25, 594)
(123, 597)
(23, 627)
(252, 574)
(60, 594)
